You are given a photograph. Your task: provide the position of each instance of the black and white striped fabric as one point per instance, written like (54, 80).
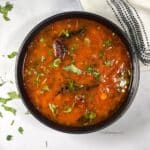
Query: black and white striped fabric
(132, 24)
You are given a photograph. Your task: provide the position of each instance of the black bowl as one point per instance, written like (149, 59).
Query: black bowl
(131, 90)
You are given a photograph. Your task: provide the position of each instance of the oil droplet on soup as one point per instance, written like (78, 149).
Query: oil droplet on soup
(77, 72)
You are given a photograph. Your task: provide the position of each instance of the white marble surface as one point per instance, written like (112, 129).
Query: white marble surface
(131, 132)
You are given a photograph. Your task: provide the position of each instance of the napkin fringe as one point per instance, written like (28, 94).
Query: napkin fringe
(133, 26)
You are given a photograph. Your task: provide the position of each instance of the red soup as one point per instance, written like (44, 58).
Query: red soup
(77, 72)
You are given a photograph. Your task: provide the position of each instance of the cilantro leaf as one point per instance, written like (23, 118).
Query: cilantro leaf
(53, 108)
(73, 68)
(5, 9)
(9, 137)
(20, 130)
(12, 55)
(107, 43)
(13, 95)
(55, 63)
(9, 109)
(1, 115)
(94, 72)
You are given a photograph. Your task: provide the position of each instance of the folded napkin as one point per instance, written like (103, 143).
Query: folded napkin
(133, 17)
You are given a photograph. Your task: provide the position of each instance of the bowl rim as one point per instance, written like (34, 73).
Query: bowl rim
(132, 90)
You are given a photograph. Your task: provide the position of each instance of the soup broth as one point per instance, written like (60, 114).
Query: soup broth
(77, 72)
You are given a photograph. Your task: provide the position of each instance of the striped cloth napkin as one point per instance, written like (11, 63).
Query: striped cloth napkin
(133, 17)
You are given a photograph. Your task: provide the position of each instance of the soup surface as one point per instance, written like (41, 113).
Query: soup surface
(76, 72)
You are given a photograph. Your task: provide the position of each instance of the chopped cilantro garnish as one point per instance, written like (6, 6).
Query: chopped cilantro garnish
(45, 89)
(108, 63)
(2, 82)
(87, 117)
(56, 63)
(101, 54)
(73, 68)
(37, 79)
(42, 58)
(107, 43)
(42, 40)
(65, 33)
(20, 130)
(94, 72)
(12, 122)
(13, 95)
(90, 115)
(53, 108)
(67, 109)
(9, 137)
(9, 109)
(1, 115)
(5, 9)
(12, 54)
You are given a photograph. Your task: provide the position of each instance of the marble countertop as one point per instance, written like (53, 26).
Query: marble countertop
(131, 132)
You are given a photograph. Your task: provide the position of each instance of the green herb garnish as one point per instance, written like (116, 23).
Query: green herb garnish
(1, 115)
(67, 109)
(12, 55)
(12, 122)
(42, 40)
(2, 82)
(42, 58)
(94, 72)
(13, 95)
(37, 79)
(108, 63)
(45, 88)
(9, 137)
(49, 52)
(73, 68)
(9, 109)
(53, 108)
(101, 54)
(5, 9)
(107, 43)
(20, 130)
(89, 115)
(65, 33)
(56, 63)
(72, 50)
